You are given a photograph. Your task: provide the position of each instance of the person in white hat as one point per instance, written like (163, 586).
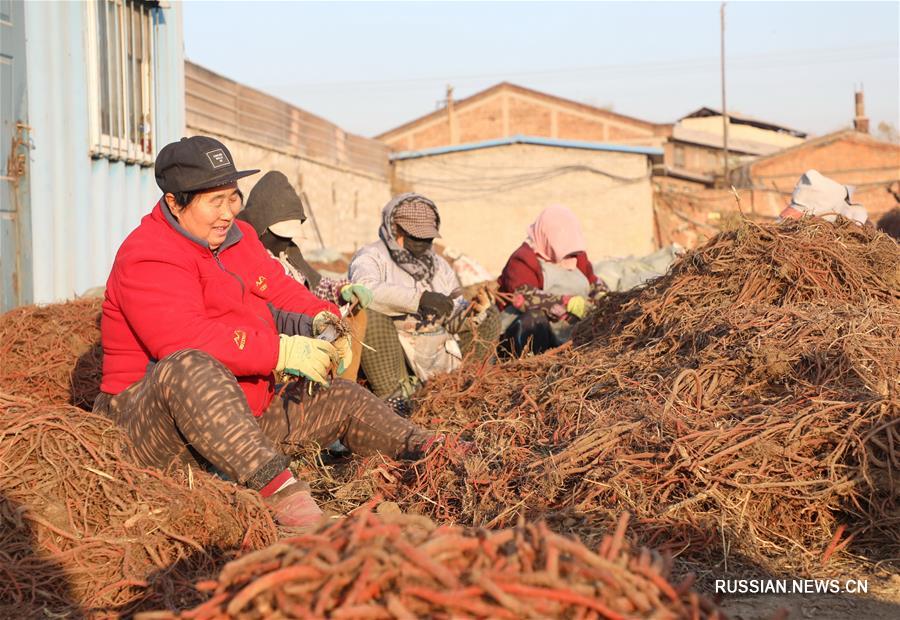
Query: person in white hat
(817, 195)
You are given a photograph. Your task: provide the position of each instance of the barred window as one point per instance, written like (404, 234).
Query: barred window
(121, 81)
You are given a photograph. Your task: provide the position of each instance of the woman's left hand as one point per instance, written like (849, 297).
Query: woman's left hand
(358, 292)
(344, 347)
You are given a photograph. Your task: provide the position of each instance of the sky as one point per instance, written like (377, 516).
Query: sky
(372, 66)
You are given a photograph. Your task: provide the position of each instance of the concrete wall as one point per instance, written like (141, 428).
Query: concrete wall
(488, 197)
(345, 177)
(508, 110)
(346, 205)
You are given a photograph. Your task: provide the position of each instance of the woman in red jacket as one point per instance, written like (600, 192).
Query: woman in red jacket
(552, 281)
(198, 324)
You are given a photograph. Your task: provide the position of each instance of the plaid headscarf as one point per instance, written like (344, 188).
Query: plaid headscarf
(420, 268)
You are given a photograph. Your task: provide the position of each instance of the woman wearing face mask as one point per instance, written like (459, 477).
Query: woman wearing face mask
(198, 325)
(275, 212)
(552, 281)
(418, 319)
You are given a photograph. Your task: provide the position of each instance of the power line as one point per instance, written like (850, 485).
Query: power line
(770, 59)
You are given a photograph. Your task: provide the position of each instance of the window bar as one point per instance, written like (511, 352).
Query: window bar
(123, 90)
(132, 98)
(94, 79)
(151, 72)
(147, 103)
(110, 56)
(144, 138)
(117, 77)
(113, 27)
(141, 88)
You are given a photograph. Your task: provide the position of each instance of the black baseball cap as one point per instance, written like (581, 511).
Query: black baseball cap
(196, 163)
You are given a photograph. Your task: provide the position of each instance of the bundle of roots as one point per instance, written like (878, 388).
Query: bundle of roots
(403, 566)
(744, 407)
(52, 353)
(83, 531)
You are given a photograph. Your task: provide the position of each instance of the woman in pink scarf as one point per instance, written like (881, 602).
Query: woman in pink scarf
(553, 281)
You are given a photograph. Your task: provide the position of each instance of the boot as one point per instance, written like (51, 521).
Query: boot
(294, 506)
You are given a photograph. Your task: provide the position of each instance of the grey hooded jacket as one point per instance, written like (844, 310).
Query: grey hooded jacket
(396, 292)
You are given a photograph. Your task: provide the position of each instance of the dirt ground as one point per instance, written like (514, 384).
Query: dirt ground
(881, 603)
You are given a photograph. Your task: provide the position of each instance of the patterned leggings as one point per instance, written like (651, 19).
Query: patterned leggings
(189, 408)
(385, 367)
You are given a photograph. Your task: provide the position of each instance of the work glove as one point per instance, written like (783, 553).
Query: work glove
(436, 304)
(303, 356)
(343, 346)
(324, 328)
(577, 306)
(324, 321)
(482, 301)
(360, 293)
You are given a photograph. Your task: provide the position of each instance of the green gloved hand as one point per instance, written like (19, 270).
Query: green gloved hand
(344, 348)
(577, 306)
(363, 295)
(306, 357)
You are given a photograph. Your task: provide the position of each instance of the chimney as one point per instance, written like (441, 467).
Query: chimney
(860, 122)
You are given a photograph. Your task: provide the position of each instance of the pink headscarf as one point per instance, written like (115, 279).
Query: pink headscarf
(555, 234)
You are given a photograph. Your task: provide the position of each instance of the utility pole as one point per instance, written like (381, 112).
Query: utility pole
(724, 107)
(451, 118)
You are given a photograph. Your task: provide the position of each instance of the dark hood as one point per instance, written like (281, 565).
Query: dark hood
(272, 200)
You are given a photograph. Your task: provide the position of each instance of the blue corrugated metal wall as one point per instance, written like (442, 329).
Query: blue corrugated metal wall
(82, 208)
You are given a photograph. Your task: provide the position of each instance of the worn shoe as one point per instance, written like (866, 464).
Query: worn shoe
(400, 405)
(294, 507)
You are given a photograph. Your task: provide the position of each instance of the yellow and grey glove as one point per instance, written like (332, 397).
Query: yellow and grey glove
(360, 293)
(324, 320)
(344, 348)
(324, 328)
(306, 357)
(577, 306)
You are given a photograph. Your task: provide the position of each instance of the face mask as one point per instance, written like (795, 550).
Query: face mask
(276, 244)
(417, 247)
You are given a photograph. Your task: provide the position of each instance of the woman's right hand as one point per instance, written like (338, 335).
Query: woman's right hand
(435, 304)
(306, 357)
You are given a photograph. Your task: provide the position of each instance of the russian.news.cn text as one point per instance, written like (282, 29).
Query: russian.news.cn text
(791, 586)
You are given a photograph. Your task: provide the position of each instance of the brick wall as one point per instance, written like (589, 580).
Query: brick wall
(689, 213)
(849, 158)
(510, 110)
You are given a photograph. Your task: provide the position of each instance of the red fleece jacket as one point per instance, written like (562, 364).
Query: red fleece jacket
(523, 269)
(168, 292)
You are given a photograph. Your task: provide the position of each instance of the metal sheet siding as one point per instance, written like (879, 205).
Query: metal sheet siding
(82, 208)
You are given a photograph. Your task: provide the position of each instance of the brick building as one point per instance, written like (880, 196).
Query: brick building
(868, 165)
(694, 151)
(506, 110)
(689, 212)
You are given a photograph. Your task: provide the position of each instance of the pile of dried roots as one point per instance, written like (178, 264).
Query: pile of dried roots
(52, 353)
(744, 407)
(84, 531)
(403, 566)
